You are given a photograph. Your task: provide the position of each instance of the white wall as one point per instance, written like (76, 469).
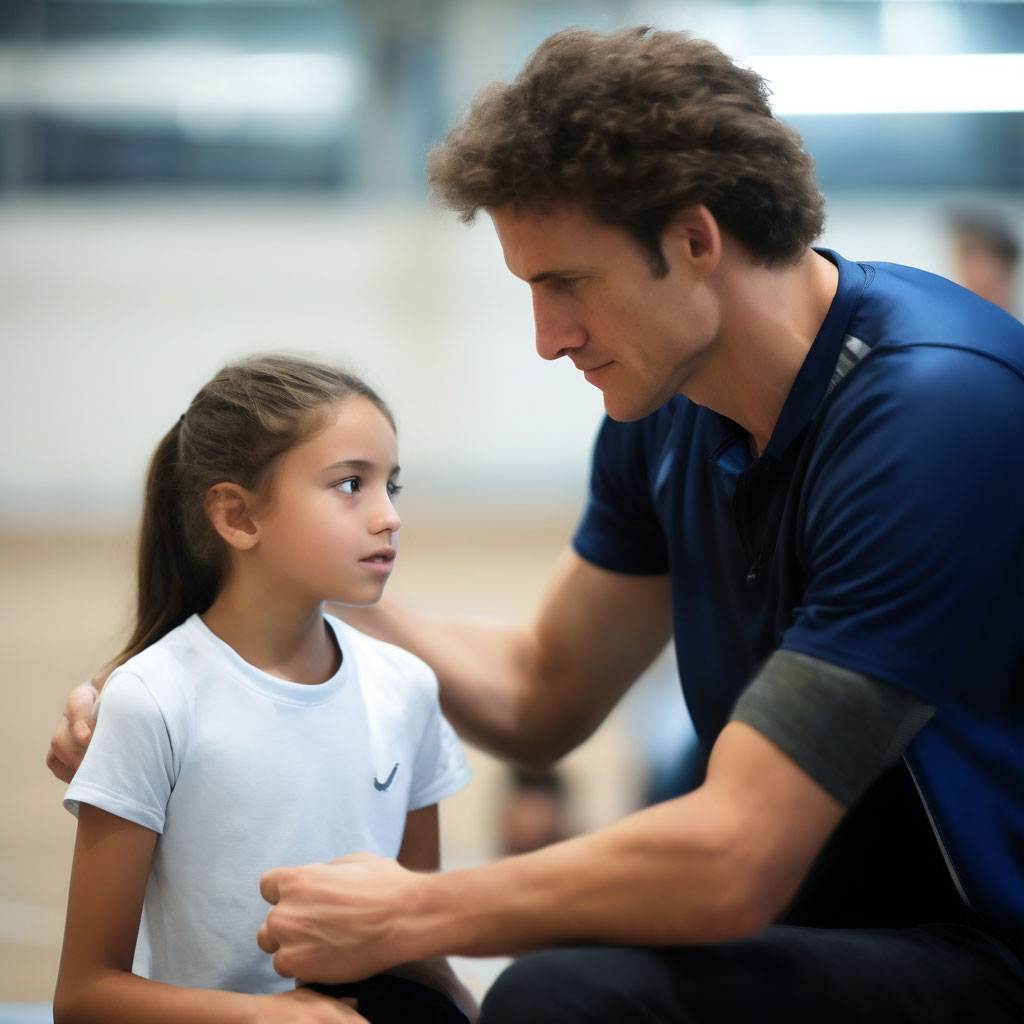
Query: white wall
(112, 313)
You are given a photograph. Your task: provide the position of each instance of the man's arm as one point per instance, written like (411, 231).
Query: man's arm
(529, 693)
(719, 863)
(533, 692)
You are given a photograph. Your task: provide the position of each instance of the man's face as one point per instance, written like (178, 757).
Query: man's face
(638, 338)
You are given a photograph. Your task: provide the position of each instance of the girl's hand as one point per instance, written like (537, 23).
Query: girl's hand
(304, 1006)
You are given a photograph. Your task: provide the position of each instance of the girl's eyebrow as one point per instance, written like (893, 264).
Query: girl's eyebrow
(360, 465)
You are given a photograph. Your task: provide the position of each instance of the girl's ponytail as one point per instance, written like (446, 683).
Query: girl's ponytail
(171, 584)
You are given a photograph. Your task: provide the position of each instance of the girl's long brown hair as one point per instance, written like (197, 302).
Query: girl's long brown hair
(235, 428)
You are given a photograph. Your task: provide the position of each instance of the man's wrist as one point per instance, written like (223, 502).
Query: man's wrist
(428, 921)
(488, 910)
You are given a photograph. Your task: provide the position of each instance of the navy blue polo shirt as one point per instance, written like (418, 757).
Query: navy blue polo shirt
(881, 530)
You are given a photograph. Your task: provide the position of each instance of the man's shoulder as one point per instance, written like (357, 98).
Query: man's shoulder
(966, 382)
(903, 307)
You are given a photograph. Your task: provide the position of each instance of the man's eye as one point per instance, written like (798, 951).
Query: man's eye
(350, 486)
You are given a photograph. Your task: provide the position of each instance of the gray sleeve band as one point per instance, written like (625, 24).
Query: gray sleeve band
(841, 727)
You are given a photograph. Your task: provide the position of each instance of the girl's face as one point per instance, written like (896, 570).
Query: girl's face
(329, 530)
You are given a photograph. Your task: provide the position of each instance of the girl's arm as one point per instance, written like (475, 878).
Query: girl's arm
(421, 851)
(95, 984)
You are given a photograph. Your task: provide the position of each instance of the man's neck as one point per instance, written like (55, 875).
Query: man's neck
(770, 318)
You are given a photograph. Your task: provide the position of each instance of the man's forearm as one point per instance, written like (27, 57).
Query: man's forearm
(668, 875)
(719, 863)
(680, 872)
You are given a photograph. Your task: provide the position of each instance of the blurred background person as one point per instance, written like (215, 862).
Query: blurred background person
(534, 811)
(986, 254)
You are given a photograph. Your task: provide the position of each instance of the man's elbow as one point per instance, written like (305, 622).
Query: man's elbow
(744, 893)
(748, 914)
(733, 911)
(757, 898)
(538, 744)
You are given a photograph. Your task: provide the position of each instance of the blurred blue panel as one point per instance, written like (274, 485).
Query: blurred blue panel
(26, 1013)
(417, 62)
(916, 150)
(281, 25)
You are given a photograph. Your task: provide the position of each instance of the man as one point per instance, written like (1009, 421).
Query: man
(811, 476)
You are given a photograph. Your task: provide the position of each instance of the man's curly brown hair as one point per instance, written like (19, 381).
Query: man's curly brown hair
(635, 125)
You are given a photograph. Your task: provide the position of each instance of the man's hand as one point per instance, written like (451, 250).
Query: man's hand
(74, 731)
(304, 1006)
(336, 922)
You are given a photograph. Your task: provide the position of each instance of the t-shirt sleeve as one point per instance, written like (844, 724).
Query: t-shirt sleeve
(619, 529)
(912, 535)
(128, 769)
(441, 766)
(842, 728)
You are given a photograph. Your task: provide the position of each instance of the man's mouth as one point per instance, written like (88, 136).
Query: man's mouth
(590, 373)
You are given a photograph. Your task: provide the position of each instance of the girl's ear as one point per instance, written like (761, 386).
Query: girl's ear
(229, 508)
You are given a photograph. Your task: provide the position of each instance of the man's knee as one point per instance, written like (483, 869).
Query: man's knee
(592, 984)
(542, 988)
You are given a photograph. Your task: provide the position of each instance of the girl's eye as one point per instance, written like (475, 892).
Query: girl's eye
(393, 489)
(350, 486)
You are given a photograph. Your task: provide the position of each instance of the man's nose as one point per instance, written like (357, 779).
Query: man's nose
(557, 332)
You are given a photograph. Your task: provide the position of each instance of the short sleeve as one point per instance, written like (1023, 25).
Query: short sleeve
(441, 766)
(912, 534)
(619, 529)
(128, 769)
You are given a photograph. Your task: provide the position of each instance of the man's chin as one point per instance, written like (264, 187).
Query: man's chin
(629, 412)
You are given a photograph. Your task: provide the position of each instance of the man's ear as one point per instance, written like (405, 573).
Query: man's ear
(229, 508)
(694, 237)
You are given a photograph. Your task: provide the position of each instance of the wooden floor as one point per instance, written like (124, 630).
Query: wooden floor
(64, 601)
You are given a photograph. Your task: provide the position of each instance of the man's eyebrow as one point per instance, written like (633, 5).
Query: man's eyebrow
(360, 465)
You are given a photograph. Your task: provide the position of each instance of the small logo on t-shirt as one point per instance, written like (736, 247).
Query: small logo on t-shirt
(381, 786)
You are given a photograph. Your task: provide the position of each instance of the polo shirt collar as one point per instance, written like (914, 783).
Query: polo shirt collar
(812, 380)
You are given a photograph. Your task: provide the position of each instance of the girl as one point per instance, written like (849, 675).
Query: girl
(245, 729)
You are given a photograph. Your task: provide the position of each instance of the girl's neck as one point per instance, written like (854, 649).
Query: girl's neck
(286, 639)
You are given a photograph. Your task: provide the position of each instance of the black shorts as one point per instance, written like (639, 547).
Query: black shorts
(387, 999)
(923, 974)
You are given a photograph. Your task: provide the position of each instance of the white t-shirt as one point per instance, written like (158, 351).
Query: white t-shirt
(240, 772)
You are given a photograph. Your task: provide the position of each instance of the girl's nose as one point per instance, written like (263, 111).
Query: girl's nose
(388, 519)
